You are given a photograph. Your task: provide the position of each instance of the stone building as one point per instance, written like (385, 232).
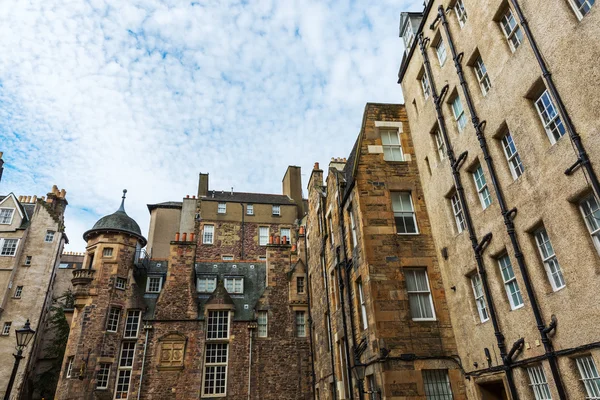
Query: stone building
(216, 308)
(378, 300)
(31, 241)
(503, 105)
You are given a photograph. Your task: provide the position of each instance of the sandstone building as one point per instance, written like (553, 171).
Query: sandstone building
(502, 101)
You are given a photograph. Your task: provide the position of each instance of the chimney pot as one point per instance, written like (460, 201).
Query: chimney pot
(28, 200)
(184, 238)
(277, 240)
(63, 193)
(187, 196)
(177, 236)
(293, 248)
(20, 198)
(316, 165)
(192, 234)
(271, 239)
(34, 199)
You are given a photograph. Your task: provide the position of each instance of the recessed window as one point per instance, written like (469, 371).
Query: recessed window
(215, 369)
(234, 285)
(217, 325)
(276, 209)
(154, 284)
(70, 366)
(461, 13)
(440, 50)
(553, 269)
(459, 216)
(103, 376)
(511, 29)
(132, 324)
(419, 295)
(425, 85)
(112, 322)
(510, 282)
(8, 247)
(262, 323)
(107, 252)
(331, 232)
(300, 284)
(550, 119)
(6, 215)
(392, 148)
(439, 144)
(285, 232)
(482, 76)
(250, 209)
(263, 235)
(208, 234)
(539, 384)
(121, 283)
(437, 384)
(352, 226)
(300, 323)
(512, 156)
(459, 113)
(482, 309)
(482, 189)
(6, 328)
(363, 305)
(206, 284)
(63, 265)
(125, 367)
(404, 213)
(582, 8)
(408, 36)
(591, 214)
(222, 208)
(227, 258)
(28, 261)
(589, 376)
(49, 236)
(18, 292)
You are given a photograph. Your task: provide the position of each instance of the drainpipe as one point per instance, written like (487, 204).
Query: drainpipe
(310, 320)
(582, 160)
(507, 214)
(477, 248)
(249, 361)
(243, 226)
(147, 328)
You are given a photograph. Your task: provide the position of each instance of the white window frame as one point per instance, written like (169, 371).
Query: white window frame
(418, 293)
(249, 209)
(203, 281)
(425, 86)
(3, 218)
(18, 292)
(404, 212)
(210, 349)
(133, 321)
(479, 295)
(551, 264)
(6, 328)
(439, 144)
(583, 9)
(125, 371)
(208, 234)
(408, 40)
(215, 326)
(511, 29)
(276, 209)
(550, 117)
(300, 320)
(221, 208)
(331, 232)
(262, 321)
(263, 240)
(111, 325)
(107, 252)
(149, 284)
(437, 384)
(70, 361)
(483, 191)
(482, 76)
(391, 151)
(4, 249)
(103, 376)
(440, 51)
(513, 292)
(227, 257)
(298, 286)
(589, 376)
(457, 211)
(512, 156)
(461, 13)
(49, 236)
(120, 283)
(234, 284)
(590, 209)
(459, 114)
(363, 305)
(352, 227)
(539, 383)
(287, 232)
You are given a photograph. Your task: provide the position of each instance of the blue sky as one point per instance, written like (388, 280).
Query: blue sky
(101, 95)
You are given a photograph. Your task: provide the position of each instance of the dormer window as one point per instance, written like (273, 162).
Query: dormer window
(206, 284)
(408, 36)
(6, 215)
(276, 210)
(234, 285)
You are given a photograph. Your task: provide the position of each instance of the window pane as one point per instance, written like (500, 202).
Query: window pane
(437, 384)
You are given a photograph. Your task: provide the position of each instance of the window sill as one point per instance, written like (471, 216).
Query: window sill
(424, 319)
(170, 368)
(517, 308)
(407, 234)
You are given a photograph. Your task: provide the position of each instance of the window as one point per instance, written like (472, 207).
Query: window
(511, 29)
(227, 258)
(392, 148)
(589, 376)
(102, 376)
(512, 156)
(70, 366)
(461, 12)
(107, 252)
(18, 292)
(482, 76)
(206, 284)
(208, 234)
(263, 235)
(550, 118)
(440, 50)
(217, 325)
(591, 214)
(482, 189)
(510, 282)
(6, 328)
(425, 85)
(372, 388)
(215, 369)
(582, 7)
(221, 208)
(285, 232)
(49, 236)
(61, 265)
(154, 284)
(459, 113)
(363, 305)
(125, 367)
(440, 145)
(539, 384)
(28, 262)
(132, 325)
(121, 283)
(551, 264)
(300, 324)
(331, 233)
(6, 215)
(408, 36)
(459, 216)
(404, 213)
(419, 295)
(437, 384)
(276, 210)
(352, 226)
(479, 298)
(262, 323)
(300, 284)
(9, 247)
(250, 209)
(112, 323)
(234, 285)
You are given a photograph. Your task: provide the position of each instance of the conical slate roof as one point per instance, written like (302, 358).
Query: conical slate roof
(118, 221)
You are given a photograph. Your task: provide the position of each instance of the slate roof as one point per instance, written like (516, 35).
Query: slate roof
(166, 204)
(252, 198)
(118, 221)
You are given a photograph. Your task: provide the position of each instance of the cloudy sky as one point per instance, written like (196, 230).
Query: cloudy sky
(101, 95)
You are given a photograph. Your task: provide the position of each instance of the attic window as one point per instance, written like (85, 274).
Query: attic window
(206, 284)
(234, 285)
(6, 215)
(408, 36)
(276, 210)
(222, 208)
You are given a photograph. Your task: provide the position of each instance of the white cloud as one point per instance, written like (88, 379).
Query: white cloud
(101, 95)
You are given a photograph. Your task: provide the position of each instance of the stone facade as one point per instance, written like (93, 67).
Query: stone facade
(550, 318)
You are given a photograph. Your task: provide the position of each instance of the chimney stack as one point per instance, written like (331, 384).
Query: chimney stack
(203, 185)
